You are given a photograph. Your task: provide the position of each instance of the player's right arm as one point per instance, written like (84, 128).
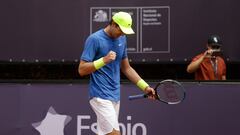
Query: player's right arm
(86, 68)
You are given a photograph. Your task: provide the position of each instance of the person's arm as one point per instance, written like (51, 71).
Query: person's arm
(193, 66)
(133, 76)
(223, 77)
(86, 68)
(224, 71)
(129, 72)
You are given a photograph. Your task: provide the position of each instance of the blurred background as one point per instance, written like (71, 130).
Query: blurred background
(43, 40)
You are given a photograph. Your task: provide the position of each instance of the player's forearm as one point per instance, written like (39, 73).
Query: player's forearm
(86, 68)
(131, 74)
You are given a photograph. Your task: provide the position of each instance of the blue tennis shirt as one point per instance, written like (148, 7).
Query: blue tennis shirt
(105, 82)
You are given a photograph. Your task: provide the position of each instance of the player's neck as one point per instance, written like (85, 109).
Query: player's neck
(107, 30)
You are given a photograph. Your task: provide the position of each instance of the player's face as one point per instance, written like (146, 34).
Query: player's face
(116, 31)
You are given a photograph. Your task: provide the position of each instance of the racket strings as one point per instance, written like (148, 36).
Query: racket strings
(170, 92)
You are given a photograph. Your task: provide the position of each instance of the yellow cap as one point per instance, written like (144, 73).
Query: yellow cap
(124, 20)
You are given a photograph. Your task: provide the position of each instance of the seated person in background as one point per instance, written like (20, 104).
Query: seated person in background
(209, 65)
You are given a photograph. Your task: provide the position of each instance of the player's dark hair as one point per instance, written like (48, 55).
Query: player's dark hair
(111, 22)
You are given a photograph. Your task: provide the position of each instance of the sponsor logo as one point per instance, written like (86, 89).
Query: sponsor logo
(54, 123)
(100, 16)
(126, 129)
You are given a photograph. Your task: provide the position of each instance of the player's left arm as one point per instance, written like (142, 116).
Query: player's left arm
(133, 76)
(129, 72)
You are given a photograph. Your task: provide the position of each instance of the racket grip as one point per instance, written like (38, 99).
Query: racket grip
(137, 97)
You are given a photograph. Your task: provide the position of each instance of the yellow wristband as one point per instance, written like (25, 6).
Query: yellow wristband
(142, 84)
(98, 63)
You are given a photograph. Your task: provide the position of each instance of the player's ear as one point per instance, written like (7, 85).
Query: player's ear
(115, 25)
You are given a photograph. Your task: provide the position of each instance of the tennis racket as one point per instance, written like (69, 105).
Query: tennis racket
(167, 91)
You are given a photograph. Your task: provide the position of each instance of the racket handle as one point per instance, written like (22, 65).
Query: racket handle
(137, 96)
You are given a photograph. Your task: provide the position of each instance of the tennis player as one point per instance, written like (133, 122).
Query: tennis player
(103, 56)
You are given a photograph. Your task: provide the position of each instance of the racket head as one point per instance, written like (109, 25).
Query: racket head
(170, 91)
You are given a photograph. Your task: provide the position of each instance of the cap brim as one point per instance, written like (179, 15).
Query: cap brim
(126, 30)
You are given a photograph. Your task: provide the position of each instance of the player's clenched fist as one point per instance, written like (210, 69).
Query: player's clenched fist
(109, 57)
